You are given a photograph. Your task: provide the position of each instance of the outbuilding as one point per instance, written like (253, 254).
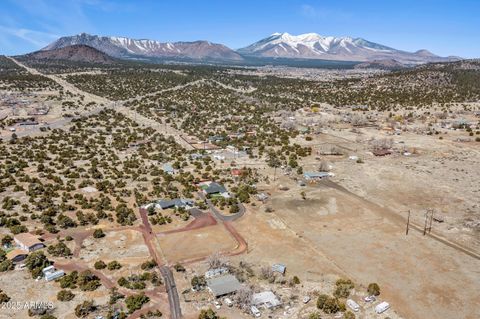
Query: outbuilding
(265, 299)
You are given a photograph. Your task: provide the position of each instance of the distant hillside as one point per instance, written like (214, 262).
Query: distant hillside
(73, 53)
(389, 64)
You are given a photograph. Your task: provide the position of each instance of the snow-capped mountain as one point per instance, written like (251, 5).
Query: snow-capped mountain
(121, 47)
(315, 46)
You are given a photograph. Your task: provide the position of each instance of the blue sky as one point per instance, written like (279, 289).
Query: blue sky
(445, 27)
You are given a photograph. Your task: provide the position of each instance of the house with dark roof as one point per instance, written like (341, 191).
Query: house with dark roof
(175, 203)
(216, 189)
(16, 256)
(223, 285)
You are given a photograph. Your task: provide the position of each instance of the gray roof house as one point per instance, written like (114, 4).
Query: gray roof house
(215, 188)
(223, 285)
(175, 203)
(265, 299)
(315, 175)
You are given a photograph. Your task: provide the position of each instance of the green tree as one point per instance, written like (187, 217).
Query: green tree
(135, 302)
(373, 289)
(65, 295)
(35, 263)
(98, 233)
(321, 301)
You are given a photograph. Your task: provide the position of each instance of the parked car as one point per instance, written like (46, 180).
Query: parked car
(228, 302)
(306, 299)
(370, 299)
(218, 304)
(255, 312)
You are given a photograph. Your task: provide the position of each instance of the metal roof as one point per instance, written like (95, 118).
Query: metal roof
(315, 174)
(223, 285)
(215, 188)
(177, 202)
(265, 299)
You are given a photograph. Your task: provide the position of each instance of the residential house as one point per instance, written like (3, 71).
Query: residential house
(16, 256)
(28, 242)
(265, 299)
(175, 203)
(315, 176)
(223, 285)
(215, 189)
(50, 273)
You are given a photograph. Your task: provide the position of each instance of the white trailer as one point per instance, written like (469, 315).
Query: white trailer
(353, 305)
(382, 307)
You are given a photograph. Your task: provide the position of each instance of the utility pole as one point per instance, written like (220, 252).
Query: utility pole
(425, 226)
(431, 220)
(408, 222)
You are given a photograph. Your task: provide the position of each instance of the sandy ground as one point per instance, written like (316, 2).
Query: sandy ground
(124, 246)
(363, 241)
(205, 241)
(28, 290)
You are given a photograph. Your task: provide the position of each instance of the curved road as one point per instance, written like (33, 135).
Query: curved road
(220, 216)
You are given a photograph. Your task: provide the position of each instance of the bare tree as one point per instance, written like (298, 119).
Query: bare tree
(267, 273)
(216, 260)
(382, 144)
(243, 297)
(323, 167)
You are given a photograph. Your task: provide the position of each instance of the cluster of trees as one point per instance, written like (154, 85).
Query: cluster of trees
(138, 282)
(86, 281)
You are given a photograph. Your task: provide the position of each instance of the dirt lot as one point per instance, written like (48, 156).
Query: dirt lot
(205, 241)
(28, 290)
(126, 246)
(362, 240)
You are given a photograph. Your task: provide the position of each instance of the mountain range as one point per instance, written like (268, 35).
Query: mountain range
(309, 46)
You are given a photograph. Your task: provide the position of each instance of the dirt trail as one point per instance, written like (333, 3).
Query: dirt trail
(394, 216)
(66, 85)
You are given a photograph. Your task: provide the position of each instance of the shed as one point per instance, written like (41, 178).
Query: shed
(280, 268)
(223, 285)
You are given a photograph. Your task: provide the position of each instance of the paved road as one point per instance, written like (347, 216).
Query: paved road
(173, 299)
(220, 216)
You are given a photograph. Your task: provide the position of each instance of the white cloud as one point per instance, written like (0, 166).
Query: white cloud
(37, 38)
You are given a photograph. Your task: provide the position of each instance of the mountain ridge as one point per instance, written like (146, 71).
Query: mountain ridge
(315, 46)
(308, 46)
(123, 47)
